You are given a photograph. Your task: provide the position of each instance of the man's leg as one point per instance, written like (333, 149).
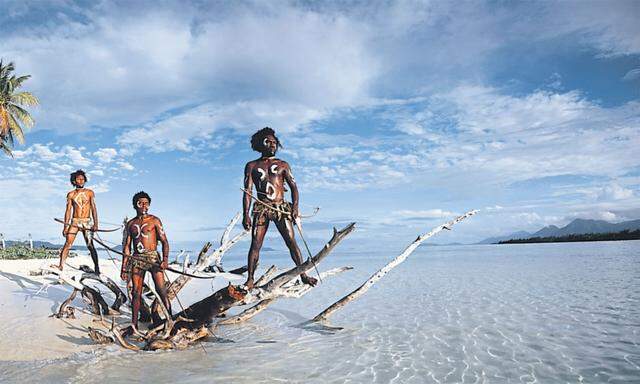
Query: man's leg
(285, 227)
(71, 236)
(158, 280)
(88, 238)
(260, 226)
(137, 279)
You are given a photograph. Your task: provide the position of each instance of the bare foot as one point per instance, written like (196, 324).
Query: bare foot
(312, 281)
(249, 284)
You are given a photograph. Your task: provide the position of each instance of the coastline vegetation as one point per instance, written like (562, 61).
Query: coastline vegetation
(614, 236)
(23, 252)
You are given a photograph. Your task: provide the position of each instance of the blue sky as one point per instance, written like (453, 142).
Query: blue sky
(396, 115)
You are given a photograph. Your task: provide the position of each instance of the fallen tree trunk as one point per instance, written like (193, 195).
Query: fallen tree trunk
(384, 270)
(204, 311)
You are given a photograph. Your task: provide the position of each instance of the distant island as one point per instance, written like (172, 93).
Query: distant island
(587, 228)
(622, 235)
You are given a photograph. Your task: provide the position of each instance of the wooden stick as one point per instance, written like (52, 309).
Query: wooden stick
(382, 272)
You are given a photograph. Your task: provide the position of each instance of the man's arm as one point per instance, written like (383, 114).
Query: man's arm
(291, 181)
(165, 244)
(67, 215)
(246, 197)
(94, 212)
(126, 252)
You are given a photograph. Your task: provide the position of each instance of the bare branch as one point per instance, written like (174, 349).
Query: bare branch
(382, 272)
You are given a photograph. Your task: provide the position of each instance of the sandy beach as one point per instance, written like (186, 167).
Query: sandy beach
(26, 302)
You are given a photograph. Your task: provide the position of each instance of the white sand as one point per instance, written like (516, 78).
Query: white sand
(26, 330)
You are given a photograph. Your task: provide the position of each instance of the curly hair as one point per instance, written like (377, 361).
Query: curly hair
(258, 138)
(140, 195)
(79, 172)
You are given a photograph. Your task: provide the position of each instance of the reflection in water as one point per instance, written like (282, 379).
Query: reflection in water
(513, 313)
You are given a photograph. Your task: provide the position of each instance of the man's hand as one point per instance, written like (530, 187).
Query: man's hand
(65, 230)
(123, 275)
(246, 222)
(164, 265)
(94, 228)
(294, 213)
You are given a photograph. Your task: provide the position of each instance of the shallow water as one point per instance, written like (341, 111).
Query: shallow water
(511, 313)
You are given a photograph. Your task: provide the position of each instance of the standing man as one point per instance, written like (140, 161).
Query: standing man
(81, 208)
(268, 174)
(142, 235)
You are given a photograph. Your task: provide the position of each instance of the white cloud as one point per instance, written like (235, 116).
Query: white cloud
(425, 214)
(105, 155)
(125, 165)
(615, 191)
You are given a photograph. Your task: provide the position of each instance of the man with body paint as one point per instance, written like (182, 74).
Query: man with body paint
(142, 235)
(268, 174)
(81, 215)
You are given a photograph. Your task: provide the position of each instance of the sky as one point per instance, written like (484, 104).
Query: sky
(396, 115)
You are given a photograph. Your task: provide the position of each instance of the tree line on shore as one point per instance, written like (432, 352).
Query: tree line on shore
(613, 236)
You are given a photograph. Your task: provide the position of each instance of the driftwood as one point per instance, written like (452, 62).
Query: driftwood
(176, 331)
(98, 304)
(384, 270)
(193, 324)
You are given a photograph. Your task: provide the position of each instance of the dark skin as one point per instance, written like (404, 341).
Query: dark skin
(143, 234)
(81, 205)
(269, 175)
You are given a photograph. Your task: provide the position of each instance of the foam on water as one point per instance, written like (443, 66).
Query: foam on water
(535, 313)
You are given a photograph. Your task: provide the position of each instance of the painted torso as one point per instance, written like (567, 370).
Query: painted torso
(81, 201)
(143, 231)
(268, 176)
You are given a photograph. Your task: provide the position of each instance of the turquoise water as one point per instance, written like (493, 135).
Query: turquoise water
(546, 313)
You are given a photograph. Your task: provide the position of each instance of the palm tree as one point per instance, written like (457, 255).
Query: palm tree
(12, 114)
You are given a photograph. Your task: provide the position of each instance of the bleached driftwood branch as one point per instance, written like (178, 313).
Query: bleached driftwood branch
(205, 259)
(98, 303)
(384, 270)
(293, 289)
(204, 311)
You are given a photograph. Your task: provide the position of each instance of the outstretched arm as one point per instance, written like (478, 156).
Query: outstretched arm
(126, 252)
(246, 197)
(165, 244)
(67, 216)
(94, 212)
(288, 176)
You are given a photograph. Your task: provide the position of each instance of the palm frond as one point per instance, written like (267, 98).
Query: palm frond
(4, 122)
(5, 148)
(17, 81)
(21, 115)
(15, 131)
(24, 98)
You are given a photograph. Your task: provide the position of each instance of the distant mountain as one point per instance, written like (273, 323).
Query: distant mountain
(515, 235)
(576, 227)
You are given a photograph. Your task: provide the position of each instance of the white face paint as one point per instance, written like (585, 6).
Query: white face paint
(139, 205)
(274, 169)
(263, 174)
(140, 247)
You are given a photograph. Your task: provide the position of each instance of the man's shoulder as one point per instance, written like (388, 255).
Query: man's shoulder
(281, 162)
(251, 164)
(155, 218)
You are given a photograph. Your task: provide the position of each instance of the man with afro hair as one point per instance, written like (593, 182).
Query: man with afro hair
(269, 174)
(81, 215)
